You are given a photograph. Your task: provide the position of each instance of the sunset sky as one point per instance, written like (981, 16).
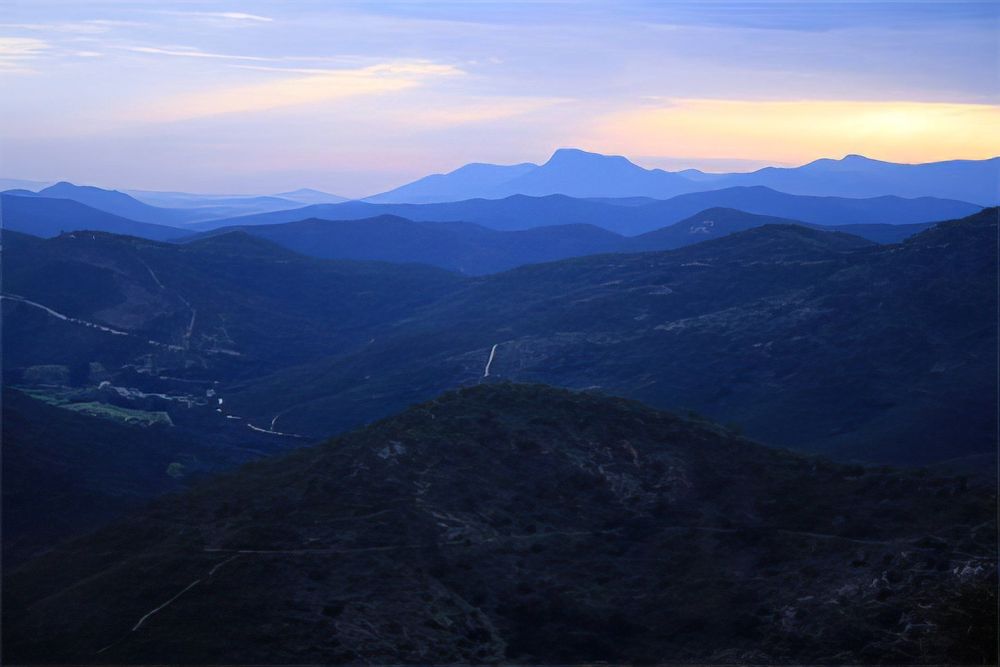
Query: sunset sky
(354, 98)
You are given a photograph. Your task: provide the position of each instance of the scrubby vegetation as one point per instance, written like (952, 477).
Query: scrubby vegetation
(528, 524)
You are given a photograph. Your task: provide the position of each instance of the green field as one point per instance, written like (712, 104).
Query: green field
(64, 398)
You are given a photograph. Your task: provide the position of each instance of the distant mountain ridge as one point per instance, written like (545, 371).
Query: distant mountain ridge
(174, 208)
(460, 246)
(475, 250)
(524, 212)
(579, 173)
(47, 217)
(769, 327)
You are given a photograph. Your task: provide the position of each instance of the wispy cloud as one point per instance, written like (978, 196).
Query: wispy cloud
(188, 52)
(449, 112)
(89, 27)
(240, 17)
(17, 52)
(324, 86)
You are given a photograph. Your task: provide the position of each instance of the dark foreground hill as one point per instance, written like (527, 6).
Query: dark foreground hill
(513, 523)
(67, 470)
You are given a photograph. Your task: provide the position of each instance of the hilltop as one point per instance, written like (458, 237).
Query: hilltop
(478, 526)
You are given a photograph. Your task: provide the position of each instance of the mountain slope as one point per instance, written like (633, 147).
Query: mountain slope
(229, 297)
(66, 471)
(816, 210)
(133, 329)
(479, 526)
(718, 222)
(128, 346)
(42, 216)
(523, 212)
(805, 338)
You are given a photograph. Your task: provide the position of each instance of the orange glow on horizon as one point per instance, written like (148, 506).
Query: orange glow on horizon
(794, 132)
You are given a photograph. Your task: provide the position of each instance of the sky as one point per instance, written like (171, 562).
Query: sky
(356, 98)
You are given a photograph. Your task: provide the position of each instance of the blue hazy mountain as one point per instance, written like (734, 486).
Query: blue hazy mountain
(582, 174)
(455, 185)
(46, 217)
(474, 250)
(118, 203)
(524, 212)
(975, 181)
(311, 196)
(173, 208)
(189, 200)
(197, 207)
(459, 246)
(887, 209)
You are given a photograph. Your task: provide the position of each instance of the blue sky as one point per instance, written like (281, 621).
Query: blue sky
(355, 98)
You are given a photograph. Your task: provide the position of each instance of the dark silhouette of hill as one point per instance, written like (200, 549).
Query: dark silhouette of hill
(66, 472)
(525, 524)
(718, 222)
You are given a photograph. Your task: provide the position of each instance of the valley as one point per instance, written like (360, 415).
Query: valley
(730, 426)
(478, 333)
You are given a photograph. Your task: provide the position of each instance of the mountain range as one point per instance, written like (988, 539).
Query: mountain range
(472, 249)
(531, 229)
(173, 208)
(593, 414)
(578, 173)
(769, 328)
(47, 217)
(630, 218)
